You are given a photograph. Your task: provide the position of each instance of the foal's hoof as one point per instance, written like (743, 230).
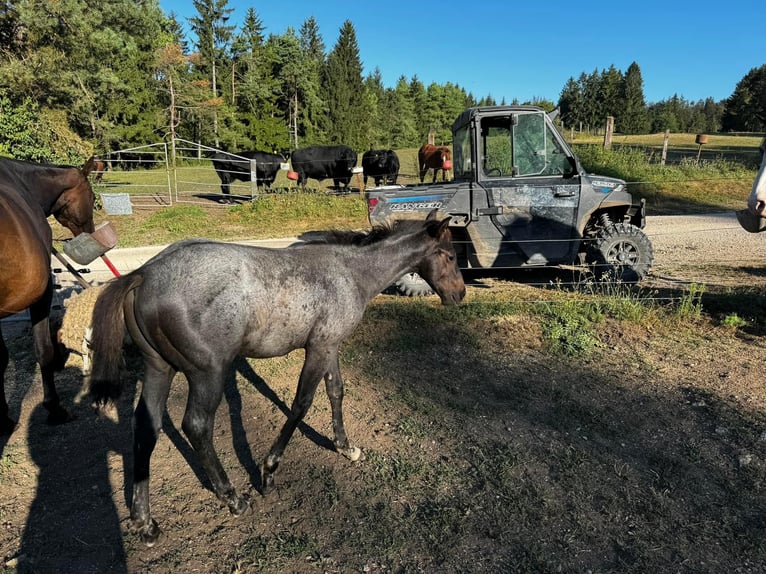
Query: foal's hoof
(352, 453)
(267, 482)
(58, 415)
(238, 506)
(6, 426)
(149, 533)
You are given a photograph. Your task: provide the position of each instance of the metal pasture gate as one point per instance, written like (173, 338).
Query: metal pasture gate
(162, 174)
(196, 180)
(137, 176)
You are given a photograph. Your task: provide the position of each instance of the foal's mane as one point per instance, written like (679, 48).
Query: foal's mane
(377, 233)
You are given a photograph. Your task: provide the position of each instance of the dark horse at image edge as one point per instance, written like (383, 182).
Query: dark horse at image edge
(256, 302)
(29, 193)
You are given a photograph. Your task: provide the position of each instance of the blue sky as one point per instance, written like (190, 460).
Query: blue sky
(529, 50)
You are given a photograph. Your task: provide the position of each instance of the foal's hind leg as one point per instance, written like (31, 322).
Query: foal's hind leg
(147, 426)
(205, 392)
(334, 386)
(314, 367)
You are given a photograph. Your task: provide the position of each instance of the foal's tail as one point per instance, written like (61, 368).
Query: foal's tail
(107, 338)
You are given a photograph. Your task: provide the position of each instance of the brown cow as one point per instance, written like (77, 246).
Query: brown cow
(435, 158)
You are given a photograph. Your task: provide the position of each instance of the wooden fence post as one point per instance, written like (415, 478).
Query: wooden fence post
(608, 132)
(665, 147)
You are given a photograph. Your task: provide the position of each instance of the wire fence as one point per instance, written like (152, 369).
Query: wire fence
(147, 176)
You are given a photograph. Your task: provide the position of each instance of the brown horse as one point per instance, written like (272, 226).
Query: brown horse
(435, 158)
(29, 193)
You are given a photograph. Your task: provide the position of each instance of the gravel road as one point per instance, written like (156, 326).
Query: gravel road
(711, 249)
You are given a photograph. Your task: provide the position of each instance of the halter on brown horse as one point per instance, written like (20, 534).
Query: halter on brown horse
(29, 193)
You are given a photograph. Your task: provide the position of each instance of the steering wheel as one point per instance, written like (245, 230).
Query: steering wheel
(494, 172)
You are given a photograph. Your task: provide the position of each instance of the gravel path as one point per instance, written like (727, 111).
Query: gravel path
(711, 249)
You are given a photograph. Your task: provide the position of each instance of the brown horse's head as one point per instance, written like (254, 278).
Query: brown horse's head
(74, 207)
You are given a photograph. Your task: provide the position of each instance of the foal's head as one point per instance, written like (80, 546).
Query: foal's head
(439, 266)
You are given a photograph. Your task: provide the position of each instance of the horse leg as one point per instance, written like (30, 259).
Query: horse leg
(205, 393)
(314, 367)
(147, 424)
(6, 424)
(47, 356)
(334, 385)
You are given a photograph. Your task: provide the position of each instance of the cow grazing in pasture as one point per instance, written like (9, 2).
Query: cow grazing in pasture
(381, 165)
(435, 158)
(231, 166)
(322, 162)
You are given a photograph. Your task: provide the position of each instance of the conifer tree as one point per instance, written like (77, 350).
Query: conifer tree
(745, 109)
(342, 84)
(312, 107)
(633, 118)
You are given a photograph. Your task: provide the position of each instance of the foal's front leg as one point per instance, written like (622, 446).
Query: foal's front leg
(317, 364)
(314, 367)
(334, 385)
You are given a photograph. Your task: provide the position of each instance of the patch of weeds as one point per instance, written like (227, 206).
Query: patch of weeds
(495, 468)
(269, 552)
(7, 463)
(394, 468)
(622, 301)
(568, 326)
(410, 428)
(733, 321)
(690, 305)
(330, 490)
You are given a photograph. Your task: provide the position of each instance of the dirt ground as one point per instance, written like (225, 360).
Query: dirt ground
(484, 452)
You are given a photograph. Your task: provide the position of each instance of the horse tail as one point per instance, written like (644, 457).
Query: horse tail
(107, 338)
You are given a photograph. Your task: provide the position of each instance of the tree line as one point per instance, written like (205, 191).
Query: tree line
(113, 74)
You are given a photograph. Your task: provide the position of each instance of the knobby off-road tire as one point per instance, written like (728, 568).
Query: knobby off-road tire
(621, 252)
(413, 285)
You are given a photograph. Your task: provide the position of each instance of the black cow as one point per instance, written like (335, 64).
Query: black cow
(228, 167)
(381, 165)
(324, 162)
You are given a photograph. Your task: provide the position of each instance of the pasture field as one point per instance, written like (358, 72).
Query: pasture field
(528, 430)
(716, 184)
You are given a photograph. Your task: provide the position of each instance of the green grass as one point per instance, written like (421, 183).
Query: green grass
(713, 185)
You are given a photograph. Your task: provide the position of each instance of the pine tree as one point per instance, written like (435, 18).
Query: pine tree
(745, 109)
(633, 119)
(342, 84)
(312, 107)
(403, 128)
(571, 104)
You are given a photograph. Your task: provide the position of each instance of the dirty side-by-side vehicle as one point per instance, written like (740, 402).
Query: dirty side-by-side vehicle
(520, 198)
